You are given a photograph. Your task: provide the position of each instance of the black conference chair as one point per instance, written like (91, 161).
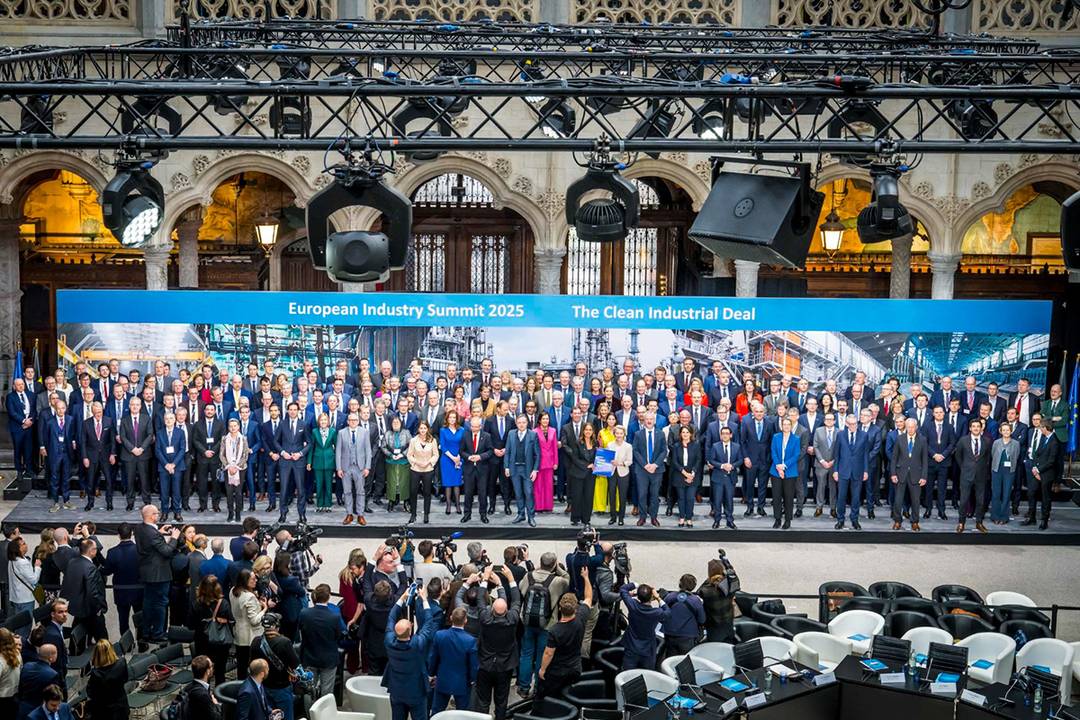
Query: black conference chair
(1004, 613)
(226, 694)
(609, 662)
(961, 626)
(949, 593)
(19, 620)
(589, 694)
(898, 623)
(892, 651)
(831, 594)
(749, 654)
(750, 629)
(546, 709)
(1030, 628)
(889, 589)
(946, 658)
(767, 610)
(880, 606)
(969, 608)
(745, 601)
(791, 625)
(913, 604)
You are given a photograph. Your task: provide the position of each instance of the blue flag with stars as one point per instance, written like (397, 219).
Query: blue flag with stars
(1074, 409)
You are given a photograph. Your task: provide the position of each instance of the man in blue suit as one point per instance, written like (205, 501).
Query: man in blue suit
(232, 397)
(270, 469)
(649, 453)
(521, 464)
(875, 440)
(251, 702)
(945, 394)
(321, 628)
(35, 677)
(52, 706)
(409, 420)
(453, 664)
(122, 565)
(22, 414)
(755, 440)
(292, 438)
(252, 433)
(406, 678)
(724, 457)
(971, 397)
(852, 461)
(61, 445)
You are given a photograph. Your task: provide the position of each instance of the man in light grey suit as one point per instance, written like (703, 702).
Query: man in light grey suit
(776, 401)
(432, 413)
(353, 465)
(824, 459)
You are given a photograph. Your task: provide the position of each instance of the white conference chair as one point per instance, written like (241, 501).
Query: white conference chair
(921, 637)
(1057, 655)
(1007, 597)
(657, 684)
(718, 653)
(365, 694)
(821, 651)
(705, 671)
(993, 647)
(1076, 660)
(460, 715)
(855, 623)
(325, 708)
(776, 647)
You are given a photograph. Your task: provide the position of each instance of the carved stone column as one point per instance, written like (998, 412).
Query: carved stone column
(746, 277)
(944, 275)
(900, 273)
(548, 263)
(156, 258)
(187, 233)
(10, 291)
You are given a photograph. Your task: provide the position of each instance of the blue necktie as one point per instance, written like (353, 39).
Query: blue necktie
(910, 446)
(648, 447)
(759, 430)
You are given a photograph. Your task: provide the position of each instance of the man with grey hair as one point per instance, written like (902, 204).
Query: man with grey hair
(353, 466)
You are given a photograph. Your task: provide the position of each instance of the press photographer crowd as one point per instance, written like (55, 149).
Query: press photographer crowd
(437, 626)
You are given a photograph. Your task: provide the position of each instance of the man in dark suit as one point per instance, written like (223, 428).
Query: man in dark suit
(724, 458)
(755, 440)
(476, 452)
(453, 664)
(998, 403)
(21, 414)
(201, 702)
(921, 411)
(53, 627)
(206, 438)
(122, 565)
(136, 436)
(498, 426)
(98, 451)
(270, 456)
(520, 466)
(375, 482)
(292, 438)
(37, 675)
(1041, 461)
(61, 447)
(875, 440)
(972, 453)
(909, 472)
(321, 630)
(649, 455)
(971, 397)
(156, 548)
(940, 442)
(251, 701)
(406, 678)
(84, 588)
(852, 461)
(945, 393)
(686, 375)
(700, 414)
(52, 706)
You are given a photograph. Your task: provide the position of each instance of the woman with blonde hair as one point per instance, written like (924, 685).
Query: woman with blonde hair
(105, 693)
(10, 671)
(423, 454)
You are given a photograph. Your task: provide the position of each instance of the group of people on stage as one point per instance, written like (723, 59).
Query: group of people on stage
(606, 441)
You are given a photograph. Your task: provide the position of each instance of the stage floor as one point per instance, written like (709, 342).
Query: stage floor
(32, 513)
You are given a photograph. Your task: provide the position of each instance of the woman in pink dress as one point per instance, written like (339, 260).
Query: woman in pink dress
(549, 461)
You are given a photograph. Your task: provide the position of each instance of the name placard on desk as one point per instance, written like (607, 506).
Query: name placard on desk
(729, 706)
(893, 678)
(824, 679)
(752, 701)
(973, 697)
(943, 688)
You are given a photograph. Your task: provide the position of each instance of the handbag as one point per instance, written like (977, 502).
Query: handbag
(218, 633)
(157, 678)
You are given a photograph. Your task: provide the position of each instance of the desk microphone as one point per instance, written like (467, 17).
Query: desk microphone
(1020, 679)
(783, 677)
(742, 670)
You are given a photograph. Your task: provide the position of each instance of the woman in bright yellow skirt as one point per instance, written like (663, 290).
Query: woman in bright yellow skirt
(605, 440)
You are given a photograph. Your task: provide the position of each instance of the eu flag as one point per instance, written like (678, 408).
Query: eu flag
(18, 371)
(1074, 409)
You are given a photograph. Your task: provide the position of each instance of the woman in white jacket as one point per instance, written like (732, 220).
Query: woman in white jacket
(248, 610)
(23, 576)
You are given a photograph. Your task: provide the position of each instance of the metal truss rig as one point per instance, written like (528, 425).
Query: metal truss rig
(872, 104)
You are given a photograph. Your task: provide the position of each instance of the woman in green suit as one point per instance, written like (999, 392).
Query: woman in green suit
(321, 462)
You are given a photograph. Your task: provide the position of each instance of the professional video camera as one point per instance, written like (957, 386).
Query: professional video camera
(586, 538)
(401, 540)
(730, 584)
(304, 537)
(620, 562)
(445, 548)
(263, 536)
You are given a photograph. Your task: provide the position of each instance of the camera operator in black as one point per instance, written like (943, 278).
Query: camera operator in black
(683, 626)
(575, 562)
(607, 596)
(372, 632)
(303, 563)
(498, 648)
(280, 655)
(429, 567)
(718, 596)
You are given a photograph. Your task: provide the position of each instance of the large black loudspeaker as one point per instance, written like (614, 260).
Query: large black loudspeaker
(762, 218)
(1070, 231)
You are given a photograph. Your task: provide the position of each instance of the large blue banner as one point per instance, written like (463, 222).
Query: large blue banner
(552, 311)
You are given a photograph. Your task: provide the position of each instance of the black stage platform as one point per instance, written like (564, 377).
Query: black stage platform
(32, 513)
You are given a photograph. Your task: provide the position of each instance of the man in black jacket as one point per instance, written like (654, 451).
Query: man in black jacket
(156, 547)
(201, 703)
(498, 651)
(321, 629)
(84, 589)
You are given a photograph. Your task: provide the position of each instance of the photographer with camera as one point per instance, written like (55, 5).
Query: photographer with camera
(406, 677)
(251, 531)
(607, 594)
(578, 560)
(386, 567)
(156, 548)
(644, 614)
(561, 666)
(683, 626)
(427, 568)
(279, 653)
(498, 644)
(718, 597)
(303, 562)
(542, 589)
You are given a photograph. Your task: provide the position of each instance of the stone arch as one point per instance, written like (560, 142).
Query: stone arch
(1053, 171)
(200, 193)
(19, 169)
(923, 209)
(672, 171)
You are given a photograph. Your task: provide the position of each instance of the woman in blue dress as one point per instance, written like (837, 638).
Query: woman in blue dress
(450, 461)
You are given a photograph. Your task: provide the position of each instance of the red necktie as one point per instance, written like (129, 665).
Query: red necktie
(1019, 402)
(476, 442)
(97, 428)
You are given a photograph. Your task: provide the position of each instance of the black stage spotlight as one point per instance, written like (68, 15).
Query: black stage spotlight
(762, 218)
(858, 120)
(229, 68)
(713, 120)
(290, 115)
(151, 117)
(603, 219)
(36, 116)
(977, 118)
(133, 204)
(359, 255)
(884, 218)
(656, 123)
(558, 119)
(437, 114)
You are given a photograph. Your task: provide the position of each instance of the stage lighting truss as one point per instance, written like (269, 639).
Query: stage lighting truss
(133, 203)
(858, 106)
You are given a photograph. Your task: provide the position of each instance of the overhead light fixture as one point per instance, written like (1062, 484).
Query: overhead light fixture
(977, 118)
(557, 118)
(359, 255)
(605, 219)
(656, 123)
(713, 120)
(858, 120)
(133, 204)
(884, 218)
(151, 117)
(290, 115)
(229, 68)
(36, 116)
(437, 114)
